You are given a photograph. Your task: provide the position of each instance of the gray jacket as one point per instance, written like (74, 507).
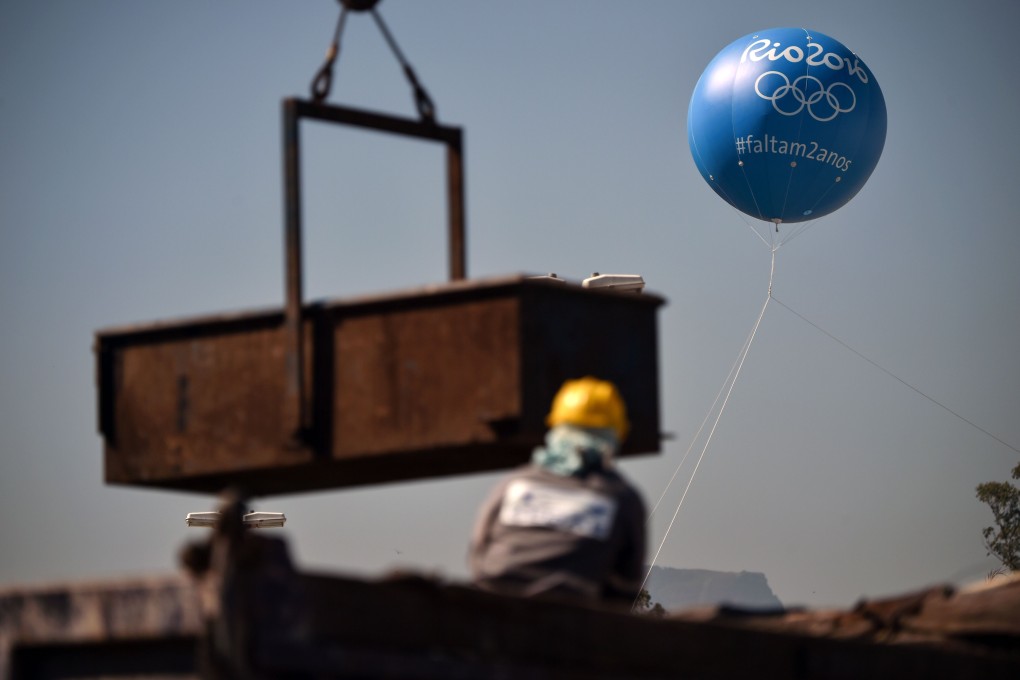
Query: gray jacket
(540, 533)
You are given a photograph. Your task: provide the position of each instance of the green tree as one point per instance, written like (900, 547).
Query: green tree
(1003, 539)
(645, 606)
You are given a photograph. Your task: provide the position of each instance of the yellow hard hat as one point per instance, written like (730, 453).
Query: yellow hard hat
(589, 402)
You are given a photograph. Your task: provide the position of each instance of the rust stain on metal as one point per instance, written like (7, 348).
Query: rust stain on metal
(426, 378)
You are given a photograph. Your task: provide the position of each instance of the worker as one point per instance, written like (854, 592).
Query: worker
(567, 525)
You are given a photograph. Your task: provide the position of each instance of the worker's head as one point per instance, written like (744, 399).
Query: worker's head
(591, 403)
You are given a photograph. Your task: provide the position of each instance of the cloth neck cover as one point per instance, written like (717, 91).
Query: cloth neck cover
(571, 450)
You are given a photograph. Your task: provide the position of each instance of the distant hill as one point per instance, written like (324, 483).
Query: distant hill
(678, 589)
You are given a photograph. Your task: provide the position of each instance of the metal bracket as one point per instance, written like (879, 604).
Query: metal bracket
(294, 110)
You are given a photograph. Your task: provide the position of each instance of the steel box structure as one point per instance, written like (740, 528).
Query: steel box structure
(449, 379)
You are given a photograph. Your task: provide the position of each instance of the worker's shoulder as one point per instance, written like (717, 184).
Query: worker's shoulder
(607, 481)
(615, 483)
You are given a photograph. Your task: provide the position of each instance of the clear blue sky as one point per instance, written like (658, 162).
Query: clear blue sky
(140, 181)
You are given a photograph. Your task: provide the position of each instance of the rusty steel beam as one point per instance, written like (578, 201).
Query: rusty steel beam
(250, 614)
(444, 380)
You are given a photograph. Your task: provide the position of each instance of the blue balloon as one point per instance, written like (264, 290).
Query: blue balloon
(786, 124)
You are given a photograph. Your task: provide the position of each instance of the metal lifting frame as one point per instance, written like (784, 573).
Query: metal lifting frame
(294, 110)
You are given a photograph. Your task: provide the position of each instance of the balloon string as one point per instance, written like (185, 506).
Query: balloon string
(896, 377)
(697, 435)
(722, 192)
(736, 374)
(750, 190)
(750, 225)
(757, 233)
(801, 228)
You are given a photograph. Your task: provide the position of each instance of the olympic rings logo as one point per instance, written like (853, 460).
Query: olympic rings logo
(823, 104)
